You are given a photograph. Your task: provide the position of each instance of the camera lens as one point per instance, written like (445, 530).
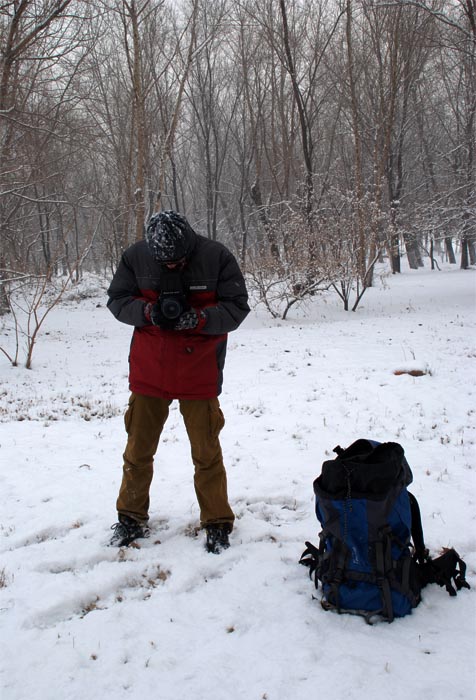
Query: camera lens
(171, 308)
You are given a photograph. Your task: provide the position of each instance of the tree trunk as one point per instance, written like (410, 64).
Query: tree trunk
(464, 255)
(139, 109)
(472, 252)
(413, 253)
(395, 254)
(450, 250)
(263, 217)
(361, 262)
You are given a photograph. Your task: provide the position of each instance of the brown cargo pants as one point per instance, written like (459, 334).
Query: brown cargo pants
(144, 421)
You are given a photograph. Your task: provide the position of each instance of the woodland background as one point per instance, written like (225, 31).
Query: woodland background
(313, 137)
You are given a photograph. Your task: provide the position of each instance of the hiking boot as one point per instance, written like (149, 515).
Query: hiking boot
(126, 531)
(217, 537)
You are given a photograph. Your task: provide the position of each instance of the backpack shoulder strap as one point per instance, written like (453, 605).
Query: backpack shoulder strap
(421, 552)
(447, 570)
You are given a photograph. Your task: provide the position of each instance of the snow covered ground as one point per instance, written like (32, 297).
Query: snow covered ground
(80, 620)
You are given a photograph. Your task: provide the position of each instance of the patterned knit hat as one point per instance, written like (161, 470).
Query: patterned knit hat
(169, 236)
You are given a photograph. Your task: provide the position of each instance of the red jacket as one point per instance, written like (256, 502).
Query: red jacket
(179, 364)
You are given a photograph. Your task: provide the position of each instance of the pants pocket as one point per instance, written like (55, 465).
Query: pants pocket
(128, 413)
(216, 418)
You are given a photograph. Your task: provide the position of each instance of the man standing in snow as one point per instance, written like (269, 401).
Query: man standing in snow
(183, 293)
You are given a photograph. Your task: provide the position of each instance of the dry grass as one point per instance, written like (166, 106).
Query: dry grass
(3, 579)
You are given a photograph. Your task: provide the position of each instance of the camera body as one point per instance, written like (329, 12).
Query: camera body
(172, 304)
(172, 299)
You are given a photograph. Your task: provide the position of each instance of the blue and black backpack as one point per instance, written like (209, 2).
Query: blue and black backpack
(371, 559)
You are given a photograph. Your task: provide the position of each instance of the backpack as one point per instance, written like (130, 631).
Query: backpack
(371, 559)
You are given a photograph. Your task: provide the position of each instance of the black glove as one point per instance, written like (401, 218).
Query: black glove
(190, 320)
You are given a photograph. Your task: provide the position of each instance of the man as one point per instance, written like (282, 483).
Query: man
(183, 293)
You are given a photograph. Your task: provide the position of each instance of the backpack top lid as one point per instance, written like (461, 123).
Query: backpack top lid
(364, 469)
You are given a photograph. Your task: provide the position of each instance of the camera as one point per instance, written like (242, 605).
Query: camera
(172, 299)
(172, 305)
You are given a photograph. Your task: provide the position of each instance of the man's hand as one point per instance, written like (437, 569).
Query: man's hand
(187, 321)
(153, 313)
(190, 320)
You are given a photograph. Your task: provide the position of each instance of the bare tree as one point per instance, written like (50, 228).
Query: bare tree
(456, 44)
(39, 41)
(32, 297)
